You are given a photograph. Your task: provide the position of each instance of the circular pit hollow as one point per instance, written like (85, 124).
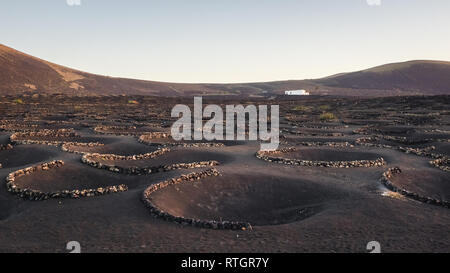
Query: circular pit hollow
(254, 198)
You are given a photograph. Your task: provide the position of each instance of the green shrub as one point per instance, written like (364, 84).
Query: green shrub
(327, 116)
(301, 108)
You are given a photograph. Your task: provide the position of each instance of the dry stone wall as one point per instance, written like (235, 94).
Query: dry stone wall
(149, 138)
(294, 132)
(68, 146)
(4, 147)
(386, 181)
(439, 161)
(22, 138)
(93, 160)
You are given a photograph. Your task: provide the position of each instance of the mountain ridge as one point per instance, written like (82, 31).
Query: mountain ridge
(23, 73)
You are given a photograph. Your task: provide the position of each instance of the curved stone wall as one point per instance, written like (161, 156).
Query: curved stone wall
(270, 157)
(151, 155)
(4, 147)
(193, 177)
(47, 133)
(38, 195)
(385, 180)
(148, 138)
(155, 135)
(334, 134)
(11, 126)
(442, 163)
(66, 146)
(93, 161)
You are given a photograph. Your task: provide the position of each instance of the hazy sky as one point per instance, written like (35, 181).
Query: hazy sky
(226, 40)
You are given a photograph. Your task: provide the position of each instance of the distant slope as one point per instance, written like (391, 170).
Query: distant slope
(22, 73)
(428, 77)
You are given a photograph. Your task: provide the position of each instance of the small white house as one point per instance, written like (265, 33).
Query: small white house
(296, 93)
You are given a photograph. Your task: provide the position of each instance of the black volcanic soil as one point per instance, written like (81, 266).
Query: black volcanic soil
(341, 209)
(187, 155)
(255, 198)
(24, 155)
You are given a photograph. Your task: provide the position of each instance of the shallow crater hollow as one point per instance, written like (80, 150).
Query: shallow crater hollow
(255, 198)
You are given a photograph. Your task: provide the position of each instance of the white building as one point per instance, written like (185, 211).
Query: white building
(296, 93)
